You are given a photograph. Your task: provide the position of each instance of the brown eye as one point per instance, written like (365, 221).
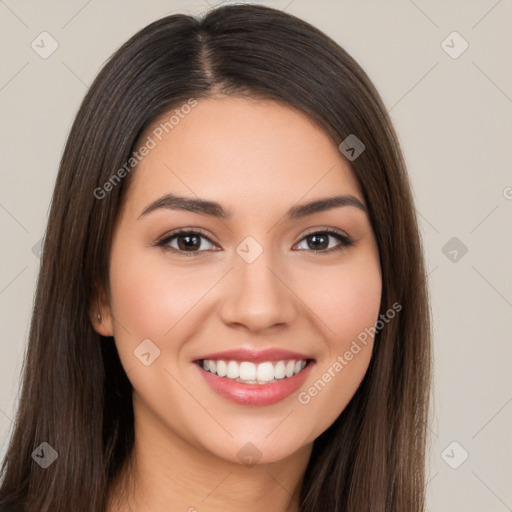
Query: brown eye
(186, 242)
(317, 241)
(325, 242)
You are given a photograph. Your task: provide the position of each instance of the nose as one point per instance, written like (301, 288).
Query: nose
(257, 296)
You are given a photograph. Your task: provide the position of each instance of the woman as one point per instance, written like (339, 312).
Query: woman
(232, 308)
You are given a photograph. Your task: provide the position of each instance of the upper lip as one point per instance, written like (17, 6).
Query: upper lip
(256, 356)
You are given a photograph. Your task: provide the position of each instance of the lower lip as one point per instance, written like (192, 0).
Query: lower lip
(255, 394)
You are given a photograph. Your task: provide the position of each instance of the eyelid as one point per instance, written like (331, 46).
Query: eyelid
(185, 231)
(325, 229)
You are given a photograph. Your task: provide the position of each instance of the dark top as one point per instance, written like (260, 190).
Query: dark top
(11, 509)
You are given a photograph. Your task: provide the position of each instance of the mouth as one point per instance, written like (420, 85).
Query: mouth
(255, 383)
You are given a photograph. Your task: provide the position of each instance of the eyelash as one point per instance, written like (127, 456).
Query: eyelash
(346, 242)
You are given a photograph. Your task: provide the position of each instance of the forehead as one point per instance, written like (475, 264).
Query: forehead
(244, 153)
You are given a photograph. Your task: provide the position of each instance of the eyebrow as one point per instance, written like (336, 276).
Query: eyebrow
(213, 209)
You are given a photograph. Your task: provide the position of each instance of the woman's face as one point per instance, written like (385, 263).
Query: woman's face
(264, 281)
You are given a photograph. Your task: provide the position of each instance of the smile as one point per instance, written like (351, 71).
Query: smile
(254, 384)
(248, 372)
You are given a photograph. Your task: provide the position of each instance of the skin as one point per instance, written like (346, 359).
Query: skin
(257, 159)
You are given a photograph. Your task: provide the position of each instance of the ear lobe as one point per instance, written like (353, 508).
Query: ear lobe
(101, 316)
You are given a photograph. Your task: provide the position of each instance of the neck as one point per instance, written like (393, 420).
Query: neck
(166, 471)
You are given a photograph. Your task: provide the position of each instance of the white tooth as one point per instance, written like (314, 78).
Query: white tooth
(290, 365)
(254, 373)
(265, 372)
(233, 370)
(247, 371)
(222, 368)
(279, 370)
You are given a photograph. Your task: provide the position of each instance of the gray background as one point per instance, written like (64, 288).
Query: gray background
(453, 117)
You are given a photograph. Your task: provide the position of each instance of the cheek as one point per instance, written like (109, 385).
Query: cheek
(356, 305)
(347, 302)
(150, 298)
(346, 299)
(153, 299)
(150, 295)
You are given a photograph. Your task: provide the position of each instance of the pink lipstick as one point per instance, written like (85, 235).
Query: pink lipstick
(255, 377)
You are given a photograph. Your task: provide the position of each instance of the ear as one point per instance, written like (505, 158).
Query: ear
(101, 314)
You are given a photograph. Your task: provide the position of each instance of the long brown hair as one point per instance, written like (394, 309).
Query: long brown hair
(75, 394)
